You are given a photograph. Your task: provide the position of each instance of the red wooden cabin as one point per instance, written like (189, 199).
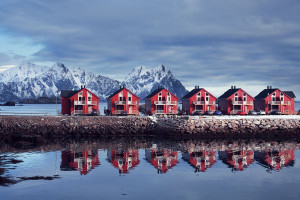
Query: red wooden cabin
(235, 100)
(275, 160)
(200, 160)
(83, 161)
(198, 100)
(162, 159)
(123, 160)
(123, 100)
(237, 160)
(273, 99)
(81, 101)
(161, 101)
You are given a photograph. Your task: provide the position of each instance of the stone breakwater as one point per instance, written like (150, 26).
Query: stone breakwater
(236, 128)
(39, 128)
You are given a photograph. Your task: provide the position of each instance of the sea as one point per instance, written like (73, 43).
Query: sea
(151, 169)
(146, 168)
(55, 109)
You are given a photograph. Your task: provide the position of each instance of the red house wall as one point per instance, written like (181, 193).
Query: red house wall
(164, 98)
(68, 103)
(224, 106)
(263, 104)
(227, 108)
(65, 106)
(260, 105)
(189, 107)
(111, 104)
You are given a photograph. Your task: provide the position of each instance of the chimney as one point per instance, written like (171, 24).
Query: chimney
(267, 87)
(231, 87)
(234, 87)
(270, 87)
(120, 86)
(81, 86)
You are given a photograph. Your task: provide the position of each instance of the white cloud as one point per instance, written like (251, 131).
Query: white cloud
(6, 67)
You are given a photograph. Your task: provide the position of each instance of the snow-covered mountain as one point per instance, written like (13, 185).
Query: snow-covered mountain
(143, 81)
(31, 81)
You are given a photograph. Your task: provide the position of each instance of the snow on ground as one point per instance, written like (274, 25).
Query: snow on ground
(249, 117)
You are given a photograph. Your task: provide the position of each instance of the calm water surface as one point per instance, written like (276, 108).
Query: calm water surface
(137, 169)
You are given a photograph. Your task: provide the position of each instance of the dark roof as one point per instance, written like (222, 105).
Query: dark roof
(266, 92)
(192, 93)
(116, 92)
(68, 93)
(154, 93)
(290, 94)
(119, 90)
(228, 93)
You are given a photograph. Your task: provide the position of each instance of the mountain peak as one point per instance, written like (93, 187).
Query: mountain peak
(142, 81)
(161, 67)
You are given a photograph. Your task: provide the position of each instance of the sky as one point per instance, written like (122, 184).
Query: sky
(210, 43)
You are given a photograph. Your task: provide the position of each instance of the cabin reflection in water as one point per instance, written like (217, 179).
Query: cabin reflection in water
(201, 160)
(161, 159)
(237, 160)
(83, 161)
(274, 159)
(123, 160)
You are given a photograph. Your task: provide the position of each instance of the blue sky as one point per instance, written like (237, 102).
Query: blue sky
(214, 44)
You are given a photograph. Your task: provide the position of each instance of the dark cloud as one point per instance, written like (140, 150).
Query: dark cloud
(202, 42)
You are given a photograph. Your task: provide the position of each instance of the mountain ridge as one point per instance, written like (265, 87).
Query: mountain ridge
(32, 81)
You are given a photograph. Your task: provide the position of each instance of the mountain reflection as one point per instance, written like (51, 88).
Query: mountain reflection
(274, 159)
(238, 160)
(161, 158)
(123, 160)
(81, 160)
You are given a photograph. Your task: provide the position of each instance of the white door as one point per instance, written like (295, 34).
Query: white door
(130, 109)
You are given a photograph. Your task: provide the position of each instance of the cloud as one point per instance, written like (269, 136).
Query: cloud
(6, 67)
(207, 43)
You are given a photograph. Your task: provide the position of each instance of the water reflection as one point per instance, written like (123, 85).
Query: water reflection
(163, 155)
(200, 158)
(123, 160)
(237, 160)
(161, 158)
(80, 160)
(274, 159)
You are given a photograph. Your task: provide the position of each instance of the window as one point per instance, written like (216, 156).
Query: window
(121, 96)
(199, 94)
(244, 96)
(129, 96)
(281, 96)
(89, 98)
(160, 96)
(169, 94)
(236, 97)
(274, 97)
(206, 96)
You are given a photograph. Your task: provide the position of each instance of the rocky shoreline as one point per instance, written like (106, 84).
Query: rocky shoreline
(38, 129)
